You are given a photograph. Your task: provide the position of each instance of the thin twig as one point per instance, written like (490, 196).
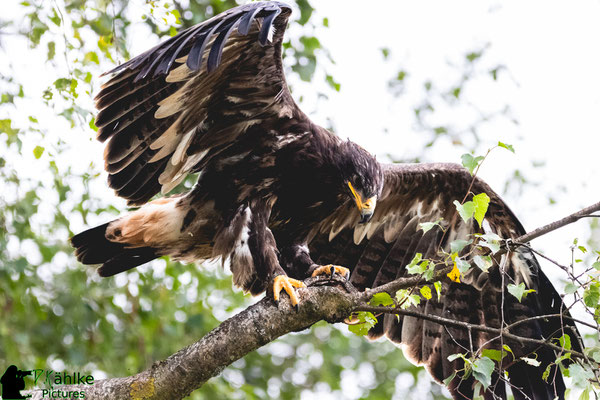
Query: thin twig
(465, 325)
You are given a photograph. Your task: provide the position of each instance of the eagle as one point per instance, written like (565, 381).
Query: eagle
(283, 199)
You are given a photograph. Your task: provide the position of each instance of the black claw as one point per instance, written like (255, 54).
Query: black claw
(296, 307)
(276, 302)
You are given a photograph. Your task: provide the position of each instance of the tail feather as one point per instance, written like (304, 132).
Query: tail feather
(93, 247)
(129, 258)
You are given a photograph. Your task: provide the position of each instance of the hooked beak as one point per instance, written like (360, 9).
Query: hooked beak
(365, 216)
(366, 208)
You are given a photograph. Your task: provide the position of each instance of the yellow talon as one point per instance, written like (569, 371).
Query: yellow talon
(284, 282)
(330, 269)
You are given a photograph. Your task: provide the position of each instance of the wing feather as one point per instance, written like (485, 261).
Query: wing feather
(176, 107)
(378, 252)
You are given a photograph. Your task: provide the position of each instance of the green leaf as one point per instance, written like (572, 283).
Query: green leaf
(381, 299)
(470, 162)
(494, 354)
(177, 16)
(585, 395)
(406, 299)
(418, 269)
(491, 241)
(413, 267)
(366, 321)
(450, 378)
(483, 262)
(51, 50)
(508, 147)
(566, 356)
(481, 202)
(593, 353)
(490, 237)
(546, 373)
(462, 265)
(438, 289)
(596, 265)
(565, 342)
(474, 55)
(426, 292)
(428, 274)
(91, 57)
(427, 226)
(38, 151)
(55, 18)
(580, 376)
(570, 288)
(458, 245)
(92, 124)
(519, 290)
(507, 348)
(482, 371)
(332, 83)
(591, 295)
(465, 210)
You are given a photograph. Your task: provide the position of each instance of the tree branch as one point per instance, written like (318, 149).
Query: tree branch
(189, 368)
(560, 223)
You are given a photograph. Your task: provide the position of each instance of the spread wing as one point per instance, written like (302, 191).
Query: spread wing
(378, 252)
(171, 110)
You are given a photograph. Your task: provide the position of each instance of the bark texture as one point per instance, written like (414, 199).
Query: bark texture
(189, 368)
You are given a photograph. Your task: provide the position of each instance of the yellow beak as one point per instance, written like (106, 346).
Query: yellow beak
(366, 208)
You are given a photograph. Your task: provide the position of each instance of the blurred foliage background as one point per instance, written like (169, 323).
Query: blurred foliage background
(56, 314)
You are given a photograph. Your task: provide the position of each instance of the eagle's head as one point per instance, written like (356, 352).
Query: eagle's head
(362, 178)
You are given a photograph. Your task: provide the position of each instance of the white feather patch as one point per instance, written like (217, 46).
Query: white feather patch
(360, 231)
(519, 263)
(242, 264)
(156, 223)
(271, 33)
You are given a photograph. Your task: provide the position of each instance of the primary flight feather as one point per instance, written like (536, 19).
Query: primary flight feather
(282, 198)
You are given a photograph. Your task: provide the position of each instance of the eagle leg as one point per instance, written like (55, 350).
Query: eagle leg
(331, 269)
(284, 282)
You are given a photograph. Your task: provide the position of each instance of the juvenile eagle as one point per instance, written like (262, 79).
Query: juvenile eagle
(283, 198)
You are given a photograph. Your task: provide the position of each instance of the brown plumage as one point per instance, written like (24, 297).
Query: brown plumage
(276, 194)
(377, 252)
